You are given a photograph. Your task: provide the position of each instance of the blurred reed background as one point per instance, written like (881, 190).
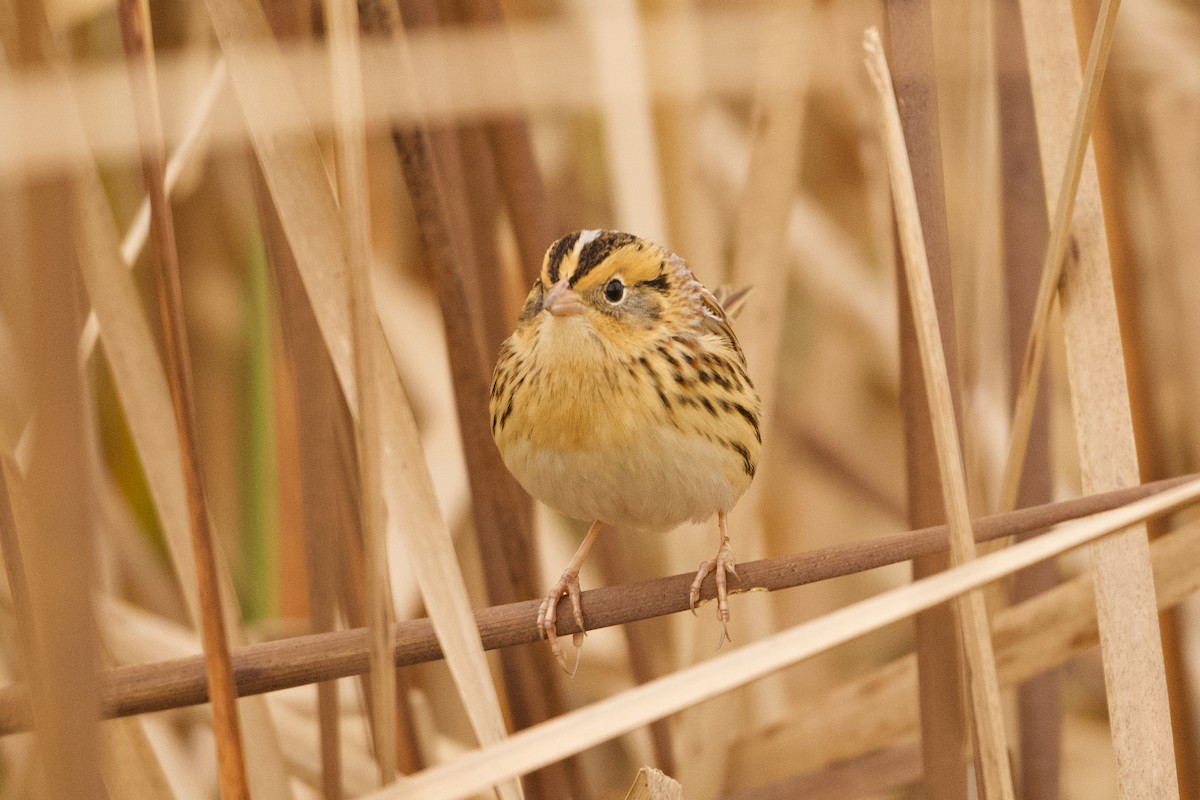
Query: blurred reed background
(319, 468)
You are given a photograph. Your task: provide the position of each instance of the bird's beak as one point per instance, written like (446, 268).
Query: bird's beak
(562, 300)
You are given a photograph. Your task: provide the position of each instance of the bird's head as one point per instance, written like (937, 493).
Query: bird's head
(616, 286)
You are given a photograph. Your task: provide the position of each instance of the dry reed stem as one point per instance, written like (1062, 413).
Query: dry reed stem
(1025, 235)
(973, 188)
(456, 189)
(327, 493)
(337, 567)
(636, 707)
(990, 736)
(512, 153)
(51, 519)
(144, 688)
(615, 41)
(500, 509)
(139, 50)
(1112, 177)
(944, 735)
(308, 215)
(142, 390)
(320, 412)
(551, 80)
(1056, 251)
(877, 709)
(1129, 633)
(342, 24)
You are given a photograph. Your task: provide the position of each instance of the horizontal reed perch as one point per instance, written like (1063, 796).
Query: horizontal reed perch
(301, 660)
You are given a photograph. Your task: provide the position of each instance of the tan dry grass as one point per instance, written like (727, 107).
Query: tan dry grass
(825, 329)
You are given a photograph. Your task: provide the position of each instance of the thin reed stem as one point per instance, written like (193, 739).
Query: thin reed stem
(231, 765)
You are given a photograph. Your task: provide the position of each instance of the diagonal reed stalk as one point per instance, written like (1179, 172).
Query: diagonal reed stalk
(633, 708)
(990, 737)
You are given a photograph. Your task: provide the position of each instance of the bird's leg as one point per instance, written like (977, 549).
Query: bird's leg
(721, 566)
(568, 584)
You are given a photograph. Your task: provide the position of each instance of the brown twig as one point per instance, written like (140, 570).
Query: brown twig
(301, 660)
(231, 765)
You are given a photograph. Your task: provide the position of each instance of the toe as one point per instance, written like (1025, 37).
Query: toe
(577, 606)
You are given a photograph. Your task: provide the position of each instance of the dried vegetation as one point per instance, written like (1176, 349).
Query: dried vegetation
(243, 426)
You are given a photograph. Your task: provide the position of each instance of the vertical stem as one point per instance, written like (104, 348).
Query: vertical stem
(1025, 235)
(910, 47)
(327, 491)
(1146, 430)
(1130, 640)
(231, 764)
(342, 21)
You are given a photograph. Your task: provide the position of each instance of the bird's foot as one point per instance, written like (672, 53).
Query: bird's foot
(721, 566)
(547, 619)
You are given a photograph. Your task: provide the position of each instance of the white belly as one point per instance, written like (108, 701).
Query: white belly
(656, 482)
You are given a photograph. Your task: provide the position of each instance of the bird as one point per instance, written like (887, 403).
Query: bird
(623, 399)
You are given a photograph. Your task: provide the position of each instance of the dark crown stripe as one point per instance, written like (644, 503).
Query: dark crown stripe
(598, 249)
(558, 251)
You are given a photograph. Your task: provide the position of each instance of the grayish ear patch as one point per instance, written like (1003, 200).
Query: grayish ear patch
(639, 305)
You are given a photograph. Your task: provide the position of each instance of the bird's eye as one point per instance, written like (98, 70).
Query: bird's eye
(614, 290)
